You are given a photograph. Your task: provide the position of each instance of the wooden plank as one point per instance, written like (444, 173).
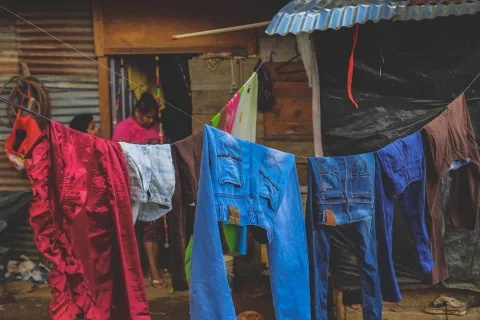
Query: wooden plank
(104, 98)
(248, 66)
(299, 148)
(208, 102)
(283, 90)
(169, 49)
(211, 87)
(252, 41)
(154, 23)
(260, 127)
(288, 77)
(291, 110)
(302, 173)
(98, 30)
(200, 74)
(201, 120)
(288, 129)
(283, 51)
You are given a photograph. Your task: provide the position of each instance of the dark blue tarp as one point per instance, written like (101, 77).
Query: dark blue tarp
(405, 74)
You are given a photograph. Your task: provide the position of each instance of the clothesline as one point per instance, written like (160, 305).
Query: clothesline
(118, 74)
(141, 87)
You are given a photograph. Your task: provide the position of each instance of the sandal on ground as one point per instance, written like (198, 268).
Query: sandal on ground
(446, 305)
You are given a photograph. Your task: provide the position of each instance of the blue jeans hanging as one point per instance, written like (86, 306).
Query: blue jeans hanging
(341, 191)
(248, 184)
(400, 170)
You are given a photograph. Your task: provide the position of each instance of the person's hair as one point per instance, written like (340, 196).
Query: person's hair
(146, 104)
(81, 122)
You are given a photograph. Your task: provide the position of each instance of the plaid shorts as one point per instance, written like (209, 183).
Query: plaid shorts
(152, 230)
(152, 179)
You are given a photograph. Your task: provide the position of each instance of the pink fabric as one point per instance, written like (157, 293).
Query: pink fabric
(231, 111)
(130, 131)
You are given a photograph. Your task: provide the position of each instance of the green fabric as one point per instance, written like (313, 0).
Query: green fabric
(188, 252)
(216, 120)
(231, 236)
(230, 230)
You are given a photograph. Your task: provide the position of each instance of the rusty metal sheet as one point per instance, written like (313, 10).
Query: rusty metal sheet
(71, 77)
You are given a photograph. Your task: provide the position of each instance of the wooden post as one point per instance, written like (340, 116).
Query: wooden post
(252, 42)
(340, 313)
(98, 31)
(104, 98)
(103, 72)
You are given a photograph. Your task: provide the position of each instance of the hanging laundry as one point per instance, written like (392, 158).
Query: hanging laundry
(341, 191)
(451, 146)
(141, 79)
(226, 117)
(82, 221)
(25, 133)
(244, 126)
(243, 183)
(152, 179)
(245, 123)
(400, 171)
(266, 100)
(186, 155)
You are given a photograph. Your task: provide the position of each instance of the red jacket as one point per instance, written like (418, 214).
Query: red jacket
(82, 220)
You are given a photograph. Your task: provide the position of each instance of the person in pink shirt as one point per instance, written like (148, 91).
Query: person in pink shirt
(141, 128)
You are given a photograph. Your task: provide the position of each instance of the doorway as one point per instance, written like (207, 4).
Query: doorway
(165, 76)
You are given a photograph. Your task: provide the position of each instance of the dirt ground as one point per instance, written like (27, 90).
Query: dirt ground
(251, 295)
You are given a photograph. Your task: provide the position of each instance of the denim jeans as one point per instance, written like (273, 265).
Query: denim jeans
(341, 191)
(400, 170)
(248, 184)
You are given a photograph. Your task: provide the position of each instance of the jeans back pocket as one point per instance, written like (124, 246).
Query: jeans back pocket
(331, 188)
(361, 181)
(229, 159)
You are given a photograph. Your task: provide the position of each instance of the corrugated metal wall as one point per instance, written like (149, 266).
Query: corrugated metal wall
(70, 77)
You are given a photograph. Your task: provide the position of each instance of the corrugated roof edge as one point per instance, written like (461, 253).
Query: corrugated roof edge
(295, 18)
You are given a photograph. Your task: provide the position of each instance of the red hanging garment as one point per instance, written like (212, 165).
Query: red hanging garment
(350, 68)
(82, 220)
(25, 133)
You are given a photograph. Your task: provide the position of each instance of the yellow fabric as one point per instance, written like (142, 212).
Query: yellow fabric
(141, 76)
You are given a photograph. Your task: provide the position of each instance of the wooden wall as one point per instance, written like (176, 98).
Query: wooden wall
(147, 26)
(287, 127)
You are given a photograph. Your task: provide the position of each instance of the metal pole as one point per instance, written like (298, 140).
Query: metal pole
(112, 87)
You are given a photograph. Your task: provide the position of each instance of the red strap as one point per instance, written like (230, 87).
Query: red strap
(350, 68)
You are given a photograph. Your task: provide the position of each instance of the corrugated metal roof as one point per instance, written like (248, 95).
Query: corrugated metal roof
(307, 16)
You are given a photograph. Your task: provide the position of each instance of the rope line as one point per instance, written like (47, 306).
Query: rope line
(145, 90)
